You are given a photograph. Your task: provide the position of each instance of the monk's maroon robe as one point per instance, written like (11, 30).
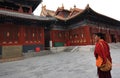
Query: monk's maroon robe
(102, 49)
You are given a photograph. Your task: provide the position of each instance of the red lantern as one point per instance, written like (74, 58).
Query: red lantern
(37, 49)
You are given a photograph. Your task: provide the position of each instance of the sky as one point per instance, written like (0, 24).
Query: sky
(110, 8)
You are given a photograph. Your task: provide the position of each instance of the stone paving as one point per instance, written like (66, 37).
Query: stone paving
(58, 65)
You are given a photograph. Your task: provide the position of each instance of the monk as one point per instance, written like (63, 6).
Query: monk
(102, 49)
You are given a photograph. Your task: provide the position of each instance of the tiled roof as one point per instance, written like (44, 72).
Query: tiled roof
(32, 3)
(70, 13)
(26, 16)
(77, 13)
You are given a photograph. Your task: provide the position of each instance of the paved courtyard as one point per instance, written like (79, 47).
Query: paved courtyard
(59, 65)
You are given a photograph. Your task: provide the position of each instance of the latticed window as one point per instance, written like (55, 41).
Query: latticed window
(9, 35)
(33, 35)
(59, 35)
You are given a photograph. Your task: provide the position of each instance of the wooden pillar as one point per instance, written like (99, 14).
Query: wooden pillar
(116, 36)
(21, 35)
(88, 35)
(1, 35)
(108, 38)
(51, 36)
(42, 32)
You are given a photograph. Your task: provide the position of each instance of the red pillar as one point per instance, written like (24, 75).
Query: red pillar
(43, 39)
(88, 35)
(117, 38)
(21, 35)
(108, 39)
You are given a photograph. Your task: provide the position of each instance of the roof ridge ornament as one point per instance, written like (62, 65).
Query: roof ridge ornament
(74, 6)
(62, 6)
(43, 6)
(87, 7)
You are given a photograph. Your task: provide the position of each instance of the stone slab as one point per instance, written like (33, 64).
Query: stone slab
(11, 51)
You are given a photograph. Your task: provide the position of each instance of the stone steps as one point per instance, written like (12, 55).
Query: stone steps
(68, 49)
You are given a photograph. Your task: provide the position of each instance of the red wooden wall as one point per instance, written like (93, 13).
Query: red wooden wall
(83, 35)
(57, 36)
(72, 37)
(34, 35)
(11, 34)
(108, 34)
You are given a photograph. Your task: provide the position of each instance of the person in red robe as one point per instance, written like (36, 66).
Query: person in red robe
(102, 49)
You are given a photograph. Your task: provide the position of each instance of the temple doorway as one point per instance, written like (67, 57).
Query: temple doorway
(113, 39)
(47, 39)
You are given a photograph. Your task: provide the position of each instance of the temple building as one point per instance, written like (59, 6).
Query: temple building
(21, 31)
(76, 26)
